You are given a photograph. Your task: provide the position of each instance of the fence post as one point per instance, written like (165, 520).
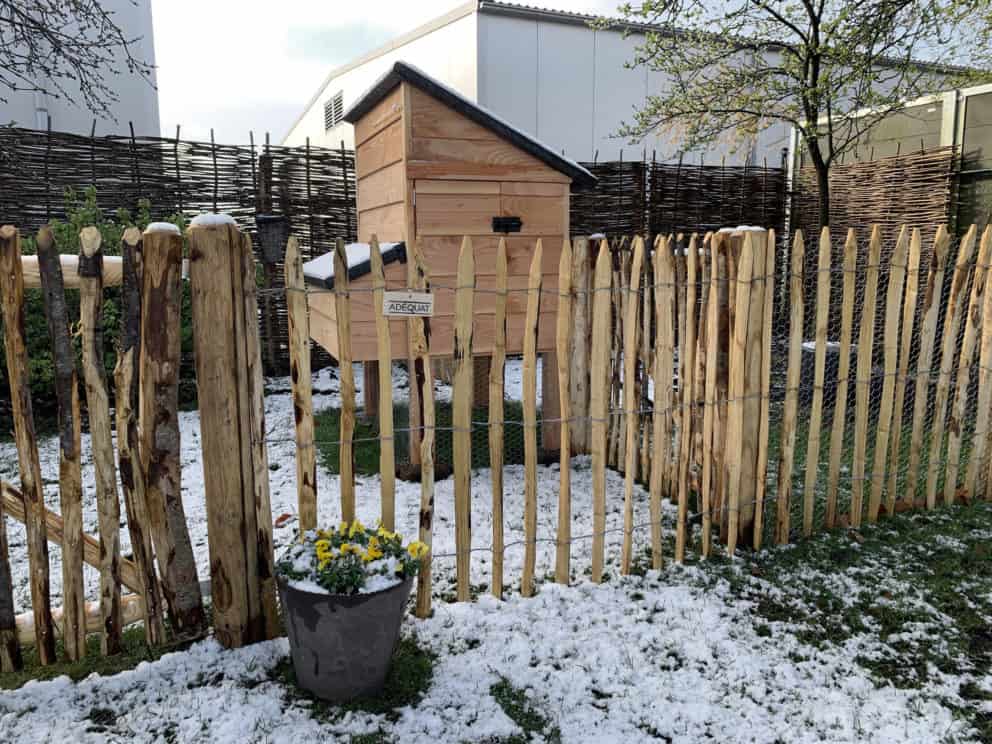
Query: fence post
(422, 379)
(819, 373)
(952, 322)
(890, 342)
(579, 359)
(346, 375)
(101, 437)
(497, 366)
(463, 395)
(70, 474)
(840, 406)
(866, 340)
(599, 395)
(687, 354)
(792, 380)
(664, 300)
(235, 469)
(161, 260)
(300, 377)
(531, 326)
(387, 452)
(11, 659)
(563, 333)
(906, 343)
(632, 306)
(12, 299)
(924, 364)
(972, 330)
(710, 459)
(761, 475)
(132, 477)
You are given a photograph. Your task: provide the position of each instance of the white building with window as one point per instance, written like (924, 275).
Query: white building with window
(546, 72)
(137, 97)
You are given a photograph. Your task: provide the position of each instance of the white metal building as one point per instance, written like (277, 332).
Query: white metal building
(138, 100)
(546, 72)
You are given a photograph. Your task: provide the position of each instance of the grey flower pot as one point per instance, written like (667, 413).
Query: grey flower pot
(342, 644)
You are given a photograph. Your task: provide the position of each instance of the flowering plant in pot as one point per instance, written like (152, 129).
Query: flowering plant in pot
(343, 593)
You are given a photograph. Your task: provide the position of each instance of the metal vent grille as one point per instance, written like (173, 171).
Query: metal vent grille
(333, 110)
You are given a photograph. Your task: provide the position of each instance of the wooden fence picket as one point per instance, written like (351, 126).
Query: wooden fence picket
(101, 436)
(711, 461)
(890, 342)
(70, 473)
(862, 381)
(581, 350)
(906, 344)
(599, 397)
(687, 349)
(736, 383)
(664, 300)
(843, 372)
(300, 379)
(530, 420)
(631, 327)
(497, 369)
(12, 305)
(563, 335)
(823, 282)
(924, 364)
(793, 378)
(11, 658)
(346, 377)
(423, 380)
(973, 325)
(952, 322)
(764, 421)
(753, 384)
(131, 473)
(975, 480)
(384, 350)
(461, 417)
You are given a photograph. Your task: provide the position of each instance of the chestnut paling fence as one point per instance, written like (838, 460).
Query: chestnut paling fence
(754, 431)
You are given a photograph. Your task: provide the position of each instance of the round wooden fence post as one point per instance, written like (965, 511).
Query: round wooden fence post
(159, 426)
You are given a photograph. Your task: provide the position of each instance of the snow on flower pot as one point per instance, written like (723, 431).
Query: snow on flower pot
(343, 593)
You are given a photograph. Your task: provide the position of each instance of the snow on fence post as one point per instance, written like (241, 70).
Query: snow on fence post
(70, 474)
(952, 322)
(862, 380)
(158, 423)
(890, 342)
(687, 373)
(300, 378)
(849, 264)
(12, 304)
(579, 358)
(664, 300)
(228, 376)
(599, 401)
(132, 477)
(563, 335)
(531, 327)
(924, 364)
(632, 306)
(497, 368)
(387, 451)
(819, 375)
(421, 379)
(101, 436)
(792, 380)
(972, 329)
(346, 375)
(463, 394)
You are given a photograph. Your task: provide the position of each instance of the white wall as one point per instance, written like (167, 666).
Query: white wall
(447, 54)
(138, 100)
(567, 85)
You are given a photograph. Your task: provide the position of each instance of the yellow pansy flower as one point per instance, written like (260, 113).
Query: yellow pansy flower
(417, 549)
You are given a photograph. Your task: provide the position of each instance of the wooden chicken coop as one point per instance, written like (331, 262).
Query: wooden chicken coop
(434, 167)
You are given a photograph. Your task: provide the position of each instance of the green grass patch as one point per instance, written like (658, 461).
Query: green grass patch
(328, 432)
(409, 677)
(134, 651)
(522, 712)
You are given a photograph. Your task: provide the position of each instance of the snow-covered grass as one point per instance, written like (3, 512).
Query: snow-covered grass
(813, 643)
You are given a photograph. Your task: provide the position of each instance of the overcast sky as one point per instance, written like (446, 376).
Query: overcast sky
(253, 65)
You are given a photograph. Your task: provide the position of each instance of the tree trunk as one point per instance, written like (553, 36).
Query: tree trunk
(823, 190)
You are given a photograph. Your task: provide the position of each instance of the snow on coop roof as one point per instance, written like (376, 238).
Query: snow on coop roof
(403, 72)
(320, 271)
